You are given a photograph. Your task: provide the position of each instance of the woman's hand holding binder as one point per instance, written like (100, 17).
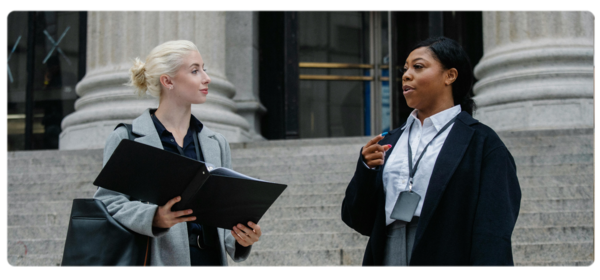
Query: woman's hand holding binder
(165, 218)
(246, 236)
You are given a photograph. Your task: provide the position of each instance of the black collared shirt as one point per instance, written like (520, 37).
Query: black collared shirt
(189, 148)
(169, 143)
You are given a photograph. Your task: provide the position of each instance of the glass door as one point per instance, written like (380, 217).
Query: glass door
(344, 83)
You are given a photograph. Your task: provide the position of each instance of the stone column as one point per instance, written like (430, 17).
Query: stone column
(242, 67)
(114, 40)
(537, 71)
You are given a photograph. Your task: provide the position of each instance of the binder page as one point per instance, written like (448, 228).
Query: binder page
(223, 171)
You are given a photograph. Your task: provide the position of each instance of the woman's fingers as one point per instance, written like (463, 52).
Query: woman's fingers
(165, 218)
(255, 228)
(374, 140)
(172, 202)
(246, 236)
(375, 154)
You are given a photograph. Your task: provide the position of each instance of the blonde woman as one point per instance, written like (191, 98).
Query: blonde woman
(174, 72)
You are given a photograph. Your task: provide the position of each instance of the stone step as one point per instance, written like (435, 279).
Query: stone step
(552, 159)
(64, 206)
(35, 260)
(311, 241)
(565, 205)
(51, 178)
(253, 170)
(42, 154)
(310, 206)
(301, 142)
(571, 234)
(546, 137)
(83, 185)
(28, 247)
(58, 159)
(303, 178)
(555, 219)
(555, 180)
(557, 192)
(318, 257)
(49, 196)
(294, 160)
(316, 188)
(259, 153)
(553, 252)
(585, 146)
(275, 212)
(18, 233)
(304, 225)
(561, 169)
(556, 263)
(54, 169)
(44, 207)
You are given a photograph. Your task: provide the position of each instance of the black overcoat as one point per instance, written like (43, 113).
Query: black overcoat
(470, 208)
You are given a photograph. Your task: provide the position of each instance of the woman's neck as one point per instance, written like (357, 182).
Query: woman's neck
(174, 116)
(442, 105)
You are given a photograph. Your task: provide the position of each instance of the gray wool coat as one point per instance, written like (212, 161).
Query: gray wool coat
(168, 247)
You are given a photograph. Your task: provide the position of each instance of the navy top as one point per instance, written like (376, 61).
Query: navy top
(189, 149)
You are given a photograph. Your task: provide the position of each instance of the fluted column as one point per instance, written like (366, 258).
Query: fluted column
(242, 67)
(537, 71)
(114, 39)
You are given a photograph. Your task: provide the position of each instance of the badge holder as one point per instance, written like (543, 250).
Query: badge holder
(406, 205)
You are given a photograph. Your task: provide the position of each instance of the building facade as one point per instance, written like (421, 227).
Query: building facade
(287, 75)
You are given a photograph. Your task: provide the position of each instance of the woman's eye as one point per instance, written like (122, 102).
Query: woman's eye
(418, 66)
(195, 71)
(205, 69)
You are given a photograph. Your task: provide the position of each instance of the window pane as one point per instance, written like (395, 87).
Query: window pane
(56, 68)
(17, 79)
(332, 108)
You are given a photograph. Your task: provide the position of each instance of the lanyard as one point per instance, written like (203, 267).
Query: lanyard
(411, 170)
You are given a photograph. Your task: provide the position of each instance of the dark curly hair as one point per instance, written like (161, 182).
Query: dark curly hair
(451, 55)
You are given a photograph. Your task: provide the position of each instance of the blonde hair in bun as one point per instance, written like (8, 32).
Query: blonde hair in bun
(163, 59)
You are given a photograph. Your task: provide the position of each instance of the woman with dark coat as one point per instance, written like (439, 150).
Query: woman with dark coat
(442, 188)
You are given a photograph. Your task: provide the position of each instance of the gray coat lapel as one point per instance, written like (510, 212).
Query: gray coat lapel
(210, 147)
(144, 128)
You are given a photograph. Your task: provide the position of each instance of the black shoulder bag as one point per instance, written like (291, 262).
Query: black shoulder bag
(94, 238)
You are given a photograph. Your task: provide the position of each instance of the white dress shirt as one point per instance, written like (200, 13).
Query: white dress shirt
(395, 173)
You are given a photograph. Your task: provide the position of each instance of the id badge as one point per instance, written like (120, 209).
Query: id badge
(406, 206)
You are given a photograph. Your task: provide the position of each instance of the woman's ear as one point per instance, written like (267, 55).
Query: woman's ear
(166, 81)
(451, 75)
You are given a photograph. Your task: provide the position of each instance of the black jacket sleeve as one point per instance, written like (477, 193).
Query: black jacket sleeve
(497, 210)
(360, 203)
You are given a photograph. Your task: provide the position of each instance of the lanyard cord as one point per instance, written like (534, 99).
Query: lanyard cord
(411, 170)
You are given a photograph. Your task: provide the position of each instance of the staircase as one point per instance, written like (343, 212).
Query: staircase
(556, 173)
(304, 227)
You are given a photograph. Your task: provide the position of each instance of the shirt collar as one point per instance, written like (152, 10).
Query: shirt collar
(439, 120)
(160, 128)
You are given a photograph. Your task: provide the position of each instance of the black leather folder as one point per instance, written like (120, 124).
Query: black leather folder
(220, 197)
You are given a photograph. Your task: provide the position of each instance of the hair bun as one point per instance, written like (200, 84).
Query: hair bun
(138, 76)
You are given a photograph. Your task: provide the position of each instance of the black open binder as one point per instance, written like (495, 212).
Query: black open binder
(220, 197)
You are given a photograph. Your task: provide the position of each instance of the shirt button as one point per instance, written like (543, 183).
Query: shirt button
(172, 140)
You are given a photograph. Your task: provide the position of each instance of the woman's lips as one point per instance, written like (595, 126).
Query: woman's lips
(204, 91)
(407, 90)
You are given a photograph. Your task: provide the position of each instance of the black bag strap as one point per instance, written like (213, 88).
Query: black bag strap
(132, 137)
(129, 128)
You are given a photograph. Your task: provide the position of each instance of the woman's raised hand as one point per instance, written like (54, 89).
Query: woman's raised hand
(373, 153)
(165, 218)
